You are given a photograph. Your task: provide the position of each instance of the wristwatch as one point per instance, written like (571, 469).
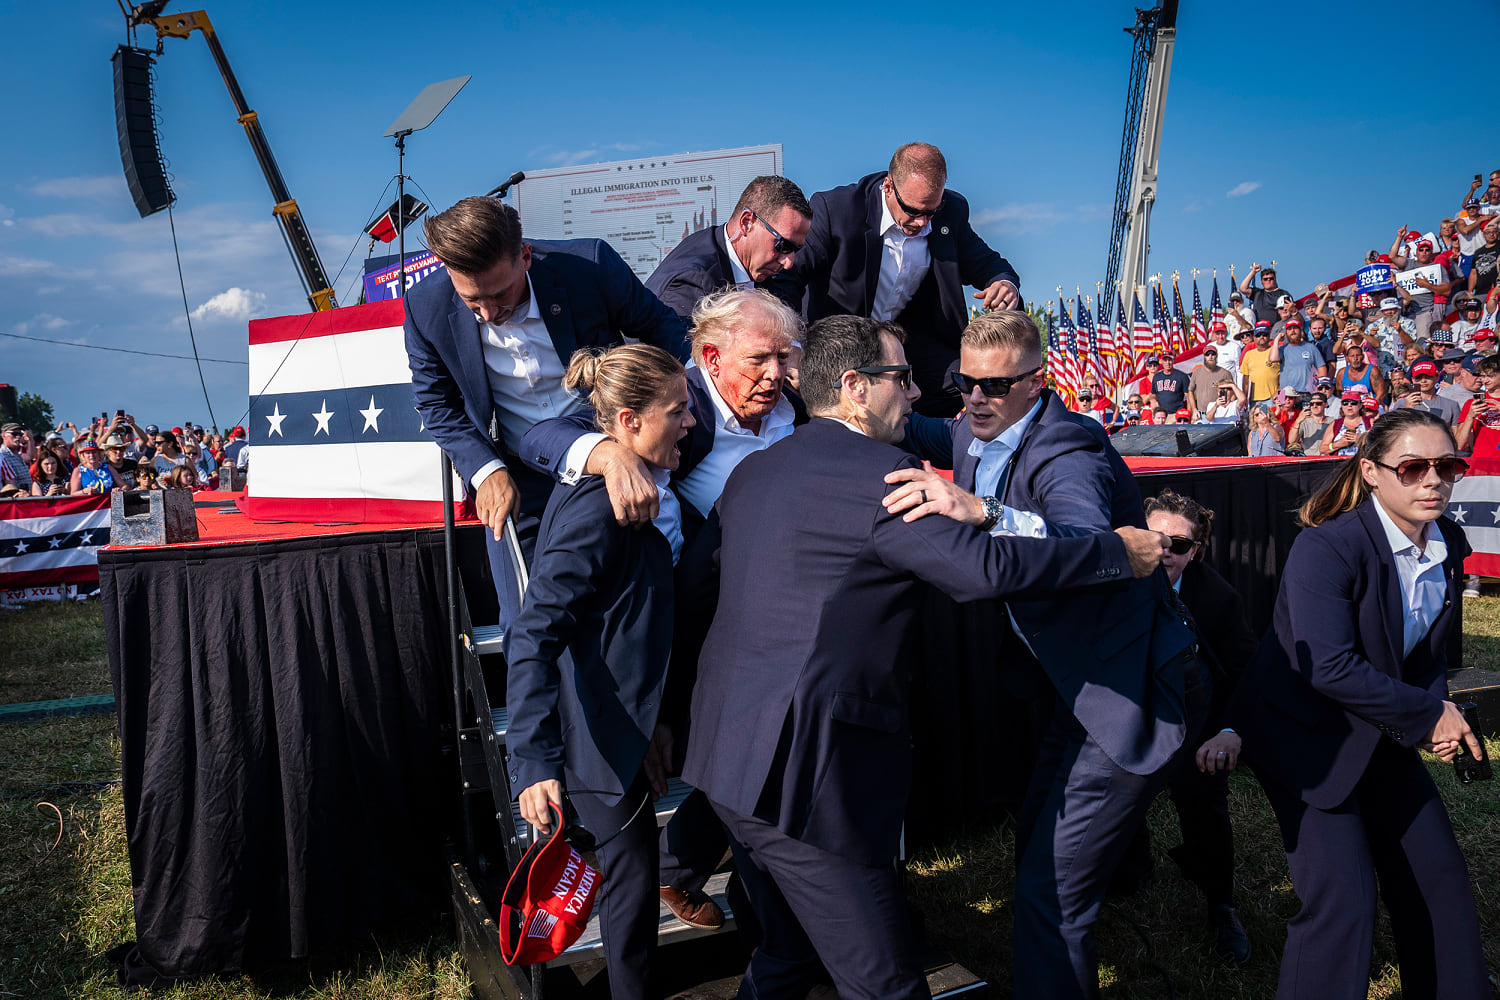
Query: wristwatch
(992, 511)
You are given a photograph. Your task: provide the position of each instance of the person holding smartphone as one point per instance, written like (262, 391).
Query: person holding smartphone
(1349, 683)
(1478, 428)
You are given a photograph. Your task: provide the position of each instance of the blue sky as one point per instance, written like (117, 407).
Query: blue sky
(1301, 132)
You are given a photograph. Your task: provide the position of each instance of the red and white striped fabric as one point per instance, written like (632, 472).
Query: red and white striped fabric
(1476, 507)
(334, 434)
(45, 542)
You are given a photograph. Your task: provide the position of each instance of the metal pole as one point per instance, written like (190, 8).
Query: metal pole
(401, 229)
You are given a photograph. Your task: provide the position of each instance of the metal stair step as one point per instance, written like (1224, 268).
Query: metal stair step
(487, 639)
(670, 930)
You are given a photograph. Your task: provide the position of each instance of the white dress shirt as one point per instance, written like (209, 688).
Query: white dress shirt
(668, 519)
(1424, 586)
(703, 485)
(525, 376)
(904, 262)
(994, 456)
(740, 277)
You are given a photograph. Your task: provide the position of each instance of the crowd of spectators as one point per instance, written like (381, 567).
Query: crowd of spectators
(116, 454)
(1309, 376)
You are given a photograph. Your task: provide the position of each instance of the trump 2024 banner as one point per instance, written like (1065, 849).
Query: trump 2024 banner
(334, 434)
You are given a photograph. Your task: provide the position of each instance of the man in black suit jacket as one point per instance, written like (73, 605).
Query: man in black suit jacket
(488, 339)
(1114, 702)
(767, 228)
(897, 245)
(801, 737)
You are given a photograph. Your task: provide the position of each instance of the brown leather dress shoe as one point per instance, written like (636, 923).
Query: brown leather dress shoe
(693, 908)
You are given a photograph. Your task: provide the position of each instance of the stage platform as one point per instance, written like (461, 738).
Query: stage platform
(285, 706)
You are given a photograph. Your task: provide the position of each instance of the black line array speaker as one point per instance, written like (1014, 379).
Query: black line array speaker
(135, 119)
(1169, 440)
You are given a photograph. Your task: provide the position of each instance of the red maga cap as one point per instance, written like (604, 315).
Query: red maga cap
(547, 902)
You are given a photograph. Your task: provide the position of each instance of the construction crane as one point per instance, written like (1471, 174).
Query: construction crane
(293, 228)
(1154, 33)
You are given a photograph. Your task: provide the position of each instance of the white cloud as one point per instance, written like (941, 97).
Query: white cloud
(109, 186)
(232, 304)
(1243, 188)
(569, 157)
(1023, 218)
(40, 322)
(25, 265)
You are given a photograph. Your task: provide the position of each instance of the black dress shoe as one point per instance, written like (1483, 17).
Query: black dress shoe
(1231, 943)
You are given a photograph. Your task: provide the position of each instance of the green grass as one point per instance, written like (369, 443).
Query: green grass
(62, 908)
(52, 651)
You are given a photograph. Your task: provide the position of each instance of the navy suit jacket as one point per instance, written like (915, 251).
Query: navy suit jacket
(588, 298)
(696, 267)
(1328, 681)
(800, 711)
(838, 269)
(587, 656)
(1107, 653)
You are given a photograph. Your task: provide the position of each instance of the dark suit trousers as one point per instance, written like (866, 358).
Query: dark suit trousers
(816, 905)
(1392, 831)
(535, 488)
(692, 844)
(1080, 815)
(628, 904)
(1206, 854)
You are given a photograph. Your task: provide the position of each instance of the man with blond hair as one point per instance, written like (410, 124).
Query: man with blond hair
(897, 245)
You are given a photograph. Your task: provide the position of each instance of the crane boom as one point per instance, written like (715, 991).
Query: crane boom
(1155, 34)
(293, 228)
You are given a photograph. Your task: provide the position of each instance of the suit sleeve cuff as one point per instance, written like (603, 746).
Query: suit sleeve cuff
(485, 471)
(1021, 523)
(577, 457)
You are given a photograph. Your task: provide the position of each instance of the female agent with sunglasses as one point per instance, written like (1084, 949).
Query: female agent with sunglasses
(588, 654)
(1347, 685)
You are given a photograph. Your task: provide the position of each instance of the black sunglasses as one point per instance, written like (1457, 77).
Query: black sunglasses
(995, 386)
(1412, 471)
(902, 373)
(782, 244)
(916, 213)
(1181, 545)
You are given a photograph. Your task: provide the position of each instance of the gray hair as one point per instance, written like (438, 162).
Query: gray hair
(718, 317)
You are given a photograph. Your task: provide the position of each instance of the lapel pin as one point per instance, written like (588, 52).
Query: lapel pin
(556, 309)
(944, 230)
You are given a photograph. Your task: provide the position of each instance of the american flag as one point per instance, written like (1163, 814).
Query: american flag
(1159, 332)
(1215, 306)
(52, 541)
(1106, 338)
(1054, 352)
(1145, 342)
(1179, 322)
(1124, 349)
(1200, 332)
(334, 434)
(1093, 364)
(1066, 372)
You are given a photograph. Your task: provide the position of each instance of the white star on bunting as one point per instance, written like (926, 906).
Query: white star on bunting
(276, 418)
(322, 417)
(20, 547)
(371, 416)
(54, 542)
(1459, 514)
